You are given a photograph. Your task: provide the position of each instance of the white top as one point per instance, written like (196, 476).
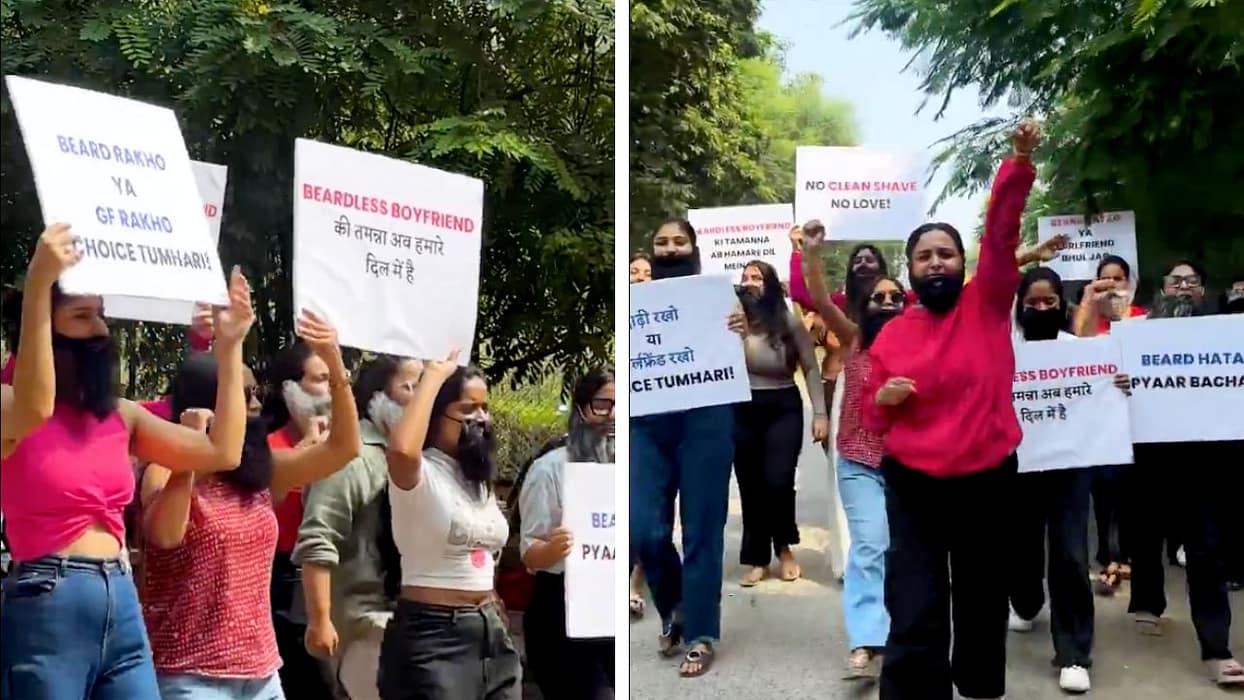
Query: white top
(540, 502)
(446, 532)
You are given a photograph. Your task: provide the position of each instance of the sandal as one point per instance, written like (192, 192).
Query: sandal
(863, 664)
(790, 569)
(1227, 673)
(669, 643)
(754, 575)
(637, 606)
(1108, 581)
(1148, 625)
(701, 655)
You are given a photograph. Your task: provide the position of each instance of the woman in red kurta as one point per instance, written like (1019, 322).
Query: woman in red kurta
(940, 392)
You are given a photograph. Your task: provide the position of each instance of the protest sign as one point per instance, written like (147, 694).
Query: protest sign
(1071, 412)
(386, 250)
(731, 237)
(1187, 377)
(860, 194)
(117, 171)
(1111, 233)
(682, 354)
(588, 511)
(210, 179)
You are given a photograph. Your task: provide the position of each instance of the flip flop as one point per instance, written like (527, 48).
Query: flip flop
(637, 607)
(1227, 673)
(1108, 581)
(864, 666)
(700, 654)
(669, 642)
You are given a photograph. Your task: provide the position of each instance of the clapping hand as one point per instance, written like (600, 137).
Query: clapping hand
(895, 391)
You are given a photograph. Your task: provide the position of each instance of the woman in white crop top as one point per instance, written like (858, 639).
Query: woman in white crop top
(448, 638)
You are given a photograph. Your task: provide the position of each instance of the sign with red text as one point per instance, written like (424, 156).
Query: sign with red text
(860, 194)
(387, 250)
(1111, 233)
(731, 237)
(1072, 414)
(1187, 377)
(211, 180)
(589, 512)
(117, 171)
(683, 353)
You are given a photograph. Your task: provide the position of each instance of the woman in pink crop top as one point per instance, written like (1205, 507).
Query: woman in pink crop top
(70, 616)
(210, 541)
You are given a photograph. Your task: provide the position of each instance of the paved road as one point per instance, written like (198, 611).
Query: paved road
(786, 640)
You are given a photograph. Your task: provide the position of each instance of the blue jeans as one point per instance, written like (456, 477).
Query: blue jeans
(862, 489)
(687, 455)
(187, 686)
(73, 628)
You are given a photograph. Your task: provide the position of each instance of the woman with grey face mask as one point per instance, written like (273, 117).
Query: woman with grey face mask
(572, 669)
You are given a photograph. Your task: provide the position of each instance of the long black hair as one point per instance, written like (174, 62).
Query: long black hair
(1041, 274)
(855, 294)
(769, 313)
(288, 365)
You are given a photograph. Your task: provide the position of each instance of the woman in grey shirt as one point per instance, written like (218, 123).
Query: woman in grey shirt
(769, 428)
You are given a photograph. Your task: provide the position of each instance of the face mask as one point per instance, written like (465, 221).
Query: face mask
(589, 442)
(1041, 324)
(1236, 305)
(302, 406)
(872, 323)
(254, 472)
(384, 412)
(475, 451)
(1174, 306)
(938, 293)
(667, 266)
(86, 373)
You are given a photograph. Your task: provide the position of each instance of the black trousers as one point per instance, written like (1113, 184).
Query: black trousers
(1054, 503)
(302, 675)
(1107, 492)
(1179, 487)
(768, 437)
(432, 652)
(1233, 525)
(941, 569)
(563, 669)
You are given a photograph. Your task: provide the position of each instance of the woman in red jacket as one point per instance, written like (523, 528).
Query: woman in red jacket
(941, 389)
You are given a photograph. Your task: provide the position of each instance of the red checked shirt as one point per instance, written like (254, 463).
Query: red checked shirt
(855, 442)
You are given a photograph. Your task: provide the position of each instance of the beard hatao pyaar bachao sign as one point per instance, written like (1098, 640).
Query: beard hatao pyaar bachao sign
(731, 237)
(387, 250)
(117, 171)
(860, 194)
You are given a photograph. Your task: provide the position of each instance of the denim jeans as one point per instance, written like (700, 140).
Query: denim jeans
(73, 628)
(187, 686)
(687, 455)
(862, 489)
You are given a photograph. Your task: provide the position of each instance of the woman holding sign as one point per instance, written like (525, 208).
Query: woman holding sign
(564, 669)
(940, 391)
(72, 625)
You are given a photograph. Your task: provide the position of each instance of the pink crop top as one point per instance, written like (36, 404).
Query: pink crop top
(69, 473)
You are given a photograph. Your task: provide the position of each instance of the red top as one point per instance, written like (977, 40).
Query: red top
(855, 442)
(799, 288)
(207, 602)
(1103, 323)
(289, 510)
(961, 419)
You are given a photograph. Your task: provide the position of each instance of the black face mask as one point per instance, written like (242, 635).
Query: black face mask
(1235, 306)
(1041, 324)
(476, 446)
(872, 323)
(667, 266)
(86, 373)
(254, 473)
(938, 293)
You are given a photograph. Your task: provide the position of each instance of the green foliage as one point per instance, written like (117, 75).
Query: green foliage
(1141, 102)
(525, 418)
(516, 92)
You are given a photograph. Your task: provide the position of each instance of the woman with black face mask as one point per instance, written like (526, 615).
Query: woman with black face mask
(940, 392)
(211, 539)
(72, 625)
(448, 639)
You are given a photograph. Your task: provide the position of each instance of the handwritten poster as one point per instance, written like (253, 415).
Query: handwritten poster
(117, 171)
(387, 250)
(860, 194)
(1111, 233)
(683, 355)
(211, 179)
(1072, 414)
(588, 511)
(1187, 377)
(731, 237)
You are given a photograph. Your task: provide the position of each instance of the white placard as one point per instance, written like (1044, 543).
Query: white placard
(387, 250)
(1072, 414)
(117, 171)
(1187, 377)
(683, 355)
(1110, 233)
(860, 194)
(731, 237)
(211, 180)
(591, 569)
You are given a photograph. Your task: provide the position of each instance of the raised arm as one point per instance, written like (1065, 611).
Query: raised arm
(294, 468)
(1088, 312)
(798, 287)
(179, 448)
(835, 320)
(166, 497)
(405, 452)
(996, 271)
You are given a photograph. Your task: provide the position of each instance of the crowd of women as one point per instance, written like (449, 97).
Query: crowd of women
(926, 461)
(315, 536)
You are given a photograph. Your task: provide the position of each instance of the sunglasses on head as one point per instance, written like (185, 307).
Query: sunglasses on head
(894, 297)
